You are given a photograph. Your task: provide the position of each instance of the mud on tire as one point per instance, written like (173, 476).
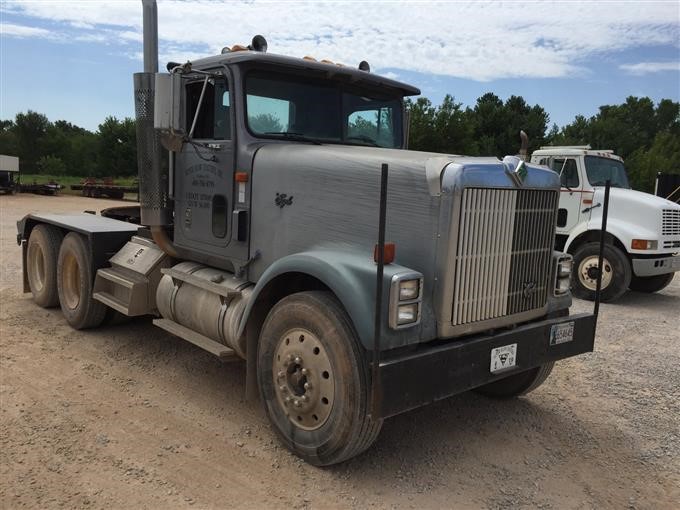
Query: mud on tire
(41, 264)
(313, 381)
(75, 277)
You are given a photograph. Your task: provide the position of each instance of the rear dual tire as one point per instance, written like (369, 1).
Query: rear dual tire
(75, 277)
(41, 264)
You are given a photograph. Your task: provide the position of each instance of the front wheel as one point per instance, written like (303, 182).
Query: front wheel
(313, 380)
(616, 275)
(651, 283)
(518, 384)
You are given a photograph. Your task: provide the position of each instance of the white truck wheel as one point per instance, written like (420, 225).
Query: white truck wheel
(616, 276)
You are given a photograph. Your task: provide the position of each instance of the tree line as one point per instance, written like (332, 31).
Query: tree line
(645, 134)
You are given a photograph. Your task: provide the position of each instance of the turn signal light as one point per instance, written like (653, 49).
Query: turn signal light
(643, 244)
(390, 252)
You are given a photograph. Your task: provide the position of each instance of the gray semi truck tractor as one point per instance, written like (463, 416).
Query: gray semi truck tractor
(260, 236)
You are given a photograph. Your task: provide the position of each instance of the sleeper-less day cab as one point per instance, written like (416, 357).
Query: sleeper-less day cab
(260, 189)
(643, 242)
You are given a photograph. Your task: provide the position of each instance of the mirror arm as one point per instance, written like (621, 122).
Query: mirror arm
(198, 107)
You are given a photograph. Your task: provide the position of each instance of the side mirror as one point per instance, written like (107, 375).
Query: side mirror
(167, 111)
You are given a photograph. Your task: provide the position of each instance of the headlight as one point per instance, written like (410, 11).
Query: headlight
(563, 274)
(409, 289)
(565, 266)
(406, 295)
(407, 314)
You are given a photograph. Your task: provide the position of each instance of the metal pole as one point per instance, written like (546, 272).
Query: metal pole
(605, 210)
(377, 326)
(150, 35)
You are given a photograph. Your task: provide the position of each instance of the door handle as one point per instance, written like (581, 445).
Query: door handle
(591, 207)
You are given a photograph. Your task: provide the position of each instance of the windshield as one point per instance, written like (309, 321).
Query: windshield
(300, 108)
(600, 169)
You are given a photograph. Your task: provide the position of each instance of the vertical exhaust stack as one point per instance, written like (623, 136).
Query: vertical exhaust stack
(153, 178)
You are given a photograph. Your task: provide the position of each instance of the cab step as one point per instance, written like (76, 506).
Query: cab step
(221, 351)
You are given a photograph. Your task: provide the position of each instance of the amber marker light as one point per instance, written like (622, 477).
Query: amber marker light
(241, 177)
(390, 252)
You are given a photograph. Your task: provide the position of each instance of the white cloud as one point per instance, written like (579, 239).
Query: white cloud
(642, 68)
(476, 40)
(11, 30)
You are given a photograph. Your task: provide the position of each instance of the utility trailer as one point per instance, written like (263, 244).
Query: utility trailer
(9, 173)
(283, 221)
(94, 189)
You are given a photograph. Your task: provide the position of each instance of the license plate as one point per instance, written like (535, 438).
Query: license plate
(503, 358)
(561, 333)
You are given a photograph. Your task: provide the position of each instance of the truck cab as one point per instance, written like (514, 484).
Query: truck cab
(282, 221)
(643, 230)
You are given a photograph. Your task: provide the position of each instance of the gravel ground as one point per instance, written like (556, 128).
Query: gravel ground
(130, 417)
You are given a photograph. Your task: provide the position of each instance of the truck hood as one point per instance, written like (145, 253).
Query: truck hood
(442, 172)
(641, 213)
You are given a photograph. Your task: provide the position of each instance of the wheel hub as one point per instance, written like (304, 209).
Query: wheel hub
(303, 379)
(588, 271)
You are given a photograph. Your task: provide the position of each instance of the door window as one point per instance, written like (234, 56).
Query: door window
(214, 117)
(568, 172)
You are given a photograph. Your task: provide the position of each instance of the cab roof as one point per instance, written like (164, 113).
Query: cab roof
(575, 150)
(351, 74)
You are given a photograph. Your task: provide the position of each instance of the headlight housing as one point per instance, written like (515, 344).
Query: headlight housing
(565, 264)
(406, 296)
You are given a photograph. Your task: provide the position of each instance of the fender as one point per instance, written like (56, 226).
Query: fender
(623, 231)
(351, 277)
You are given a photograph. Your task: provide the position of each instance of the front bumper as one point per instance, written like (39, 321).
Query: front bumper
(653, 267)
(434, 373)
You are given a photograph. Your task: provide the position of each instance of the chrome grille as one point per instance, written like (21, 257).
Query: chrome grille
(504, 252)
(670, 222)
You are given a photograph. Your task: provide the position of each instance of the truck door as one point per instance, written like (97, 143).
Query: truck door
(204, 170)
(569, 210)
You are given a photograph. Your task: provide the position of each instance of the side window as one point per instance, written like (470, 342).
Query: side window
(544, 161)
(373, 125)
(269, 114)
(214, 117)
(568, 172)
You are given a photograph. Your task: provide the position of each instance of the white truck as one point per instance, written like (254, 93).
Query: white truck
(643, 242)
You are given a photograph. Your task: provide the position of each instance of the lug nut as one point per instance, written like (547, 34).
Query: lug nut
(280, 374)
(305, 398)
(286, 400)
(304, 371)
(298, 360)
(283, 388)
(307, 386)
(296, 402)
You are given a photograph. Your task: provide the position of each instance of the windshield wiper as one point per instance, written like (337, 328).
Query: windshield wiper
(290, 135)
(363, 138)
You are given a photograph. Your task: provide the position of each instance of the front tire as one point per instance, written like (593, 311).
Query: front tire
(313, 380)
(651, 283)
(518, 384)
(616, 276)
(75, 277)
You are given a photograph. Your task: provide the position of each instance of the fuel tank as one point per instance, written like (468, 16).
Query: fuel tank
(206, 300)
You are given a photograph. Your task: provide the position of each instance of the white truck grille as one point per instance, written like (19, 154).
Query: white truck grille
(670, 222)
(504, 253)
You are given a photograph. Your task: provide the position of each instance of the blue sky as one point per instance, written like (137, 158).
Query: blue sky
(74, 59)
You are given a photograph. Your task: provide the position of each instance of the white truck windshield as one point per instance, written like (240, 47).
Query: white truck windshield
(600, 169)
(292, 107)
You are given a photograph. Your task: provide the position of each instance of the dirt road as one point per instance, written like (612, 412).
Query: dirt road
(130, 417)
